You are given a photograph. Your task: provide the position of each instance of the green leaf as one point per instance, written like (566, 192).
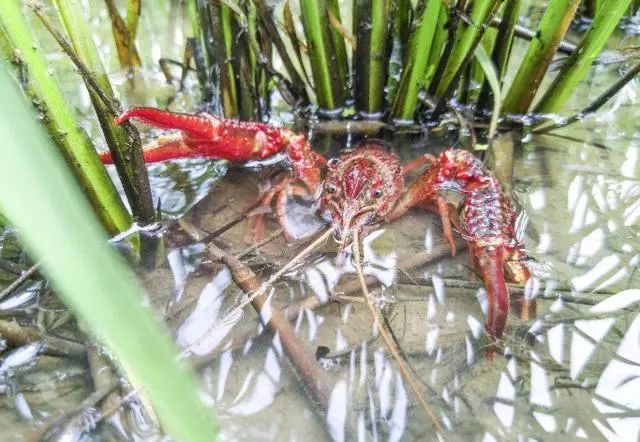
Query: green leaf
(40, 197)
(491, 74)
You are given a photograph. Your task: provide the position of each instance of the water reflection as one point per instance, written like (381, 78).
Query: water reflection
(582, 347)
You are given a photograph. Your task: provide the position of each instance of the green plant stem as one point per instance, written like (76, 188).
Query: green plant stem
(502, 49)
(296, 83)
(412, 79)
(540, 53)
(40, 197)
(373, 37)
(126, 151)
(325, 70)
(477, 71)
(200, 13)
(224, 59)
(58, 114)
(339, 46)
(133, 18)
(125, 43)
(465, 40)
(402, 26)
(439, 41)
(574, 69)
(597, 103)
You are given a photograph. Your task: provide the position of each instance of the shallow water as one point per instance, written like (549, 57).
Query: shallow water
(572, 372)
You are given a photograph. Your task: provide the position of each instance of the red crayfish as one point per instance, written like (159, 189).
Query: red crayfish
(363, 188)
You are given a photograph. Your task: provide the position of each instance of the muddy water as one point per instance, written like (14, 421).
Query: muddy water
(572, 372)
(583, 205)
(583, 209)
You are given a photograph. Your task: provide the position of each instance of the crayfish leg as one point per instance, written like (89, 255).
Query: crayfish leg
(447, 217)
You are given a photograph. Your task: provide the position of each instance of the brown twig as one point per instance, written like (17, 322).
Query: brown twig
(300, 357)
(391, 348)
(50, 428)
(236, 312)
(260, 243)
(22, 278)
(17, 334)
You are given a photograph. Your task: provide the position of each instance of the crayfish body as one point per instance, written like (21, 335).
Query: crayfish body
(363, 188)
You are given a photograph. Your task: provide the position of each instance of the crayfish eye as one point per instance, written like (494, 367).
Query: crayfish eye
(377, 193)
(331, 188)
(333, 162)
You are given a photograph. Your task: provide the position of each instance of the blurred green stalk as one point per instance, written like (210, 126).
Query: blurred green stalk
(502, 49)
(330, 90)
(371, 59)
(61, 120)
(466, 38)
(437, 46)
(224, 42)
(42, 200)
(200, 12)
(576, 65)
(540, 53)
(333, 8)
(415, 64)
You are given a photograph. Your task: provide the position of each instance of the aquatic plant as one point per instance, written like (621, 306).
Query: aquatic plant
(436, 63)
(59, 230)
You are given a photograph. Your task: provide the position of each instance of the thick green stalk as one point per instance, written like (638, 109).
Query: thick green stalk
(199, 12)
(572, 71)
(41, 199)
(133, 18)
(338, 44)
(504, 39)
(412, 79)
(373, 46)
(329, 90)
(630, 75)
(229, 93)
(502, 48)
(61, 120)
(477, 71)
(466, 37)
(540, 53)
(439, 40)
(402, 25)
(254, 74)
(127, 156)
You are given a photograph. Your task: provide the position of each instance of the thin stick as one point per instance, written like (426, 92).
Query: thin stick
(393, 351)
(260, 243)
(113, 106)
(597, 104)
(22, 278)
(260, 291)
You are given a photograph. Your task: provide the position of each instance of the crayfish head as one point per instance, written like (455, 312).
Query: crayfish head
(360, 188)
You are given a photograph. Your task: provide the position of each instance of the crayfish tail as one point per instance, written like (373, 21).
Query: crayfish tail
(491, 262)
